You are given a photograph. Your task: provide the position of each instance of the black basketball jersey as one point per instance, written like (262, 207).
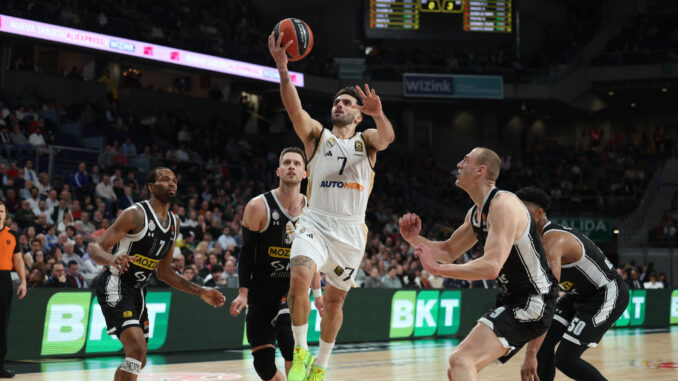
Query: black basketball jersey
(149, 246)
(590, 273)
(526, 270)
(271, 268)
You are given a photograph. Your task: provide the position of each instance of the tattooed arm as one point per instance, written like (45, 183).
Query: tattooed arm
(167, 275)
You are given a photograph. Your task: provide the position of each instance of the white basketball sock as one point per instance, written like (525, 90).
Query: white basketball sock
(323, 357)
(299, 333)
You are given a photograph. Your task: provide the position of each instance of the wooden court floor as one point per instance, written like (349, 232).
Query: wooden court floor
(621, 355)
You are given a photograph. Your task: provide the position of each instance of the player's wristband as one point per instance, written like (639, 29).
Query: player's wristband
(317, 292)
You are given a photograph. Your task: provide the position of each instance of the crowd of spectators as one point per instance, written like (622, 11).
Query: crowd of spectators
(665, 233)
(220, 169)
(648, 37)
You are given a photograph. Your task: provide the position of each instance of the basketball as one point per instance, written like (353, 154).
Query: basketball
(299, 33)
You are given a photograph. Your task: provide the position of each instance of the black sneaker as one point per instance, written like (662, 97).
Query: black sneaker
(4, 373)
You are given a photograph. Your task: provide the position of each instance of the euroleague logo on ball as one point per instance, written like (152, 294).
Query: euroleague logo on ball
(299, 33)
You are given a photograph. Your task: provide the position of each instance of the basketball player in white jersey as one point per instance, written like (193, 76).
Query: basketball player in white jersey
(331, 233)
(514, 255)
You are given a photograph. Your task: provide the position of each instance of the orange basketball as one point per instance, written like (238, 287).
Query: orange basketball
(299, 33)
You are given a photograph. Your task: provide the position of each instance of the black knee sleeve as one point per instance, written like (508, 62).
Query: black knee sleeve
(285, 338)
(264, 363)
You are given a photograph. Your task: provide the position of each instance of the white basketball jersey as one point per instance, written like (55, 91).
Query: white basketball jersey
(340, 176)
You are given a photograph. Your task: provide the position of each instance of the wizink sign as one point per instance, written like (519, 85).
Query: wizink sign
(73, 320)
(426, 313)
(452, 86)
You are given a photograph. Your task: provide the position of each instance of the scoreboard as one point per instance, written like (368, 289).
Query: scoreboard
(394, 14)
(437, 19)
(487, 16)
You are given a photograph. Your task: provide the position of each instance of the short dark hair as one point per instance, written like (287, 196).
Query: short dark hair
(350, 90)
(535, 196)
(36, 240)
(72, 262)
(295, 150)
(217, 268)
(152, 177)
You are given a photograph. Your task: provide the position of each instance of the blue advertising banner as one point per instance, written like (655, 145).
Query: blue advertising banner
(453, 86)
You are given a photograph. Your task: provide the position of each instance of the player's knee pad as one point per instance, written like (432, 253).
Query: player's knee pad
(285, 337)
(264, 363)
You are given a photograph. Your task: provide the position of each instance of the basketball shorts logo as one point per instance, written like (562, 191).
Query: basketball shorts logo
(127, 314)
(338, 270)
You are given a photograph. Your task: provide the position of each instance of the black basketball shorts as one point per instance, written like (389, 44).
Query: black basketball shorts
(518, 320)
(588, 320)
(122, 305)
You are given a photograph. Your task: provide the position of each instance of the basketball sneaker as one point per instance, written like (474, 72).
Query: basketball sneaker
(317, 374)
(301, 363)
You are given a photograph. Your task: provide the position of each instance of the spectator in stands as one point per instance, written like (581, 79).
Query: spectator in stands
(69, 255)
(81, 180)
(25, 216)
(37, 138)
(11, 201)
(126, 200)
(43, 184)
(4, 134)
(33, 198)
(65, 222)
(230, 275)
(105, 223)
(652, 283)
(29, 172)
(190, 275)
(390, 279)
(18, 138)
(216, 280)
(87, 226)
(44, 216)
(633, 281)
(74, 278)
(60, 212)
(199, 261)
(128, 147)
(57, 276)
(52, 201)
(104, 190)
(36, 278)
(25, 191)
(373, 281)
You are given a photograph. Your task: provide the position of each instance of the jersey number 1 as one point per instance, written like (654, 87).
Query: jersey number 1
(343, 164)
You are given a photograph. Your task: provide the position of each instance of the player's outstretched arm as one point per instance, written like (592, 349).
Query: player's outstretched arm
(131, 220)
(503, 221)
(306, 127)
(167, 275)
(447, 251)
(381, 137)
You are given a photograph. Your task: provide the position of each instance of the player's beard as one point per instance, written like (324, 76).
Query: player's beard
(342, 121)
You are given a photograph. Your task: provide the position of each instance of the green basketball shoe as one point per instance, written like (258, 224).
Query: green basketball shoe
(317, 374)
(301, 363)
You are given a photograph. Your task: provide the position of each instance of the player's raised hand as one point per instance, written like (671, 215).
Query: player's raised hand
(212, 297)
(427, 258)
(371, 101)
(410, 226)
(238, 304)
(278, 50)
(122, 261)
